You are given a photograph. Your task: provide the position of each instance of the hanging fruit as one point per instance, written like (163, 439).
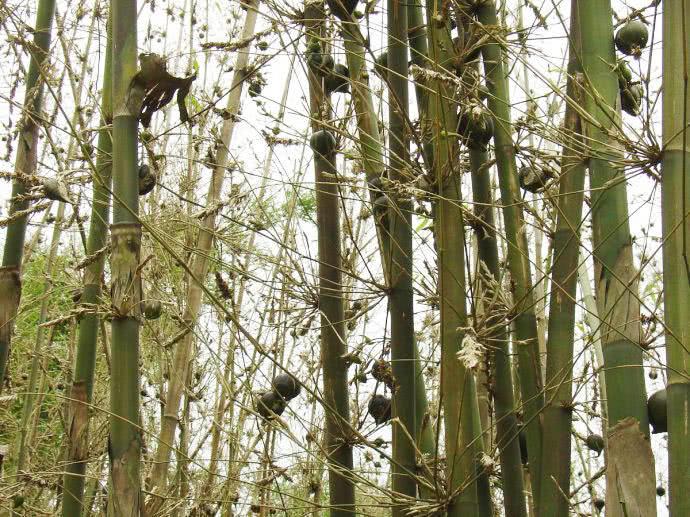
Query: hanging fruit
(656, 409)
(522, 440)
(624, 73)
(595, 443)
(476, 126)
(322, 142)
(56, 190)
(631, 99)
(531, 180)
(152, 309)
(270, 404)
(376, 184)
(286, 386)
(380, 409)
(381, 371)
(631, 38)
(147, 179)
(318, 62)
(343, 9)
(381, 206)
(338, 81)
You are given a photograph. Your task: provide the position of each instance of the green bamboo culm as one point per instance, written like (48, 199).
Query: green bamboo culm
(558, 414)
(371, 150)
(458, 390)
(401, 295)
(488, 272)
(676, 233)
(339, 451)
(504, 397)
(82, 383)
(419, 54)
(124, 445)
(24, 169)
(525, 321)
(616, 278)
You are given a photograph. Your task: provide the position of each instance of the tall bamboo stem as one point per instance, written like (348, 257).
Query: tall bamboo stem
(24, 169)
(517, 251)
(458, 389)
(558, 410)
(676, 228)
(401, 297)
(616, 278)
(82, 384)
(124, 496)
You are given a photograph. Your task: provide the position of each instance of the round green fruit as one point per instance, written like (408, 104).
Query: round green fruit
(656, 409)
(632, 37)
(322, 142)
(286, 386)
(152, 309)
(270, 405)
(380, 409)
(476, 126)
(631, 99)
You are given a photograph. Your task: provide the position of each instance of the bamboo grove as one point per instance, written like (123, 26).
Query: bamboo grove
(337, 257)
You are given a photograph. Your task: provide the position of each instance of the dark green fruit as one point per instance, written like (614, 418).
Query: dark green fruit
(152, 309)
(147, 179)
(286, 386)
(77, 294)
(632, 37)
(381, 206)
(255, 89)
(17, 501)
(624, 74)
(599, 504)
(376, 184)
(531, 180)
(465, 52)
(656, 409)
(343, 9)
(381, 65)
(270, 405)
(380, 409)
(321, 64)
(476, 126)
(338, 81)
(631, 99)
(595, 443)
(55, 190)
(322, 142)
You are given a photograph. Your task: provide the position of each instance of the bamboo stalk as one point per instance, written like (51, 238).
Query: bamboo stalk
(676, 228)
(561, 324)
(517, 251)
(616, 279)
(458, 390)
(337, 446)
(124, 495)
(504, 399)
(371, 149)
(400, 286)
(24, 167)
(82, 385)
